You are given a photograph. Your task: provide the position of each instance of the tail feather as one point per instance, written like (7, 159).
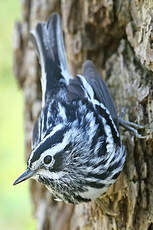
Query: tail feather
(48, 41)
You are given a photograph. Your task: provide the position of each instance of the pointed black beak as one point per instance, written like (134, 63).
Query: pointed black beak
(26, 175)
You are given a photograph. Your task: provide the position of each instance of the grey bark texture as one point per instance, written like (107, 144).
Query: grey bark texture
(118, 36)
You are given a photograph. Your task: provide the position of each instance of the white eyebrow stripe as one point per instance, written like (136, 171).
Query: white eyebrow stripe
(58, 147)
(55, 129)
(53, 150)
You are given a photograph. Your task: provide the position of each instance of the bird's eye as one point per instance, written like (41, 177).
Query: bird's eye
(47, 159)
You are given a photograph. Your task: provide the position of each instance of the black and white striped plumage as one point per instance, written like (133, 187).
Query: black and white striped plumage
(77, 152)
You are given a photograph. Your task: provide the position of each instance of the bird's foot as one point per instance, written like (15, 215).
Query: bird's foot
(131, 126)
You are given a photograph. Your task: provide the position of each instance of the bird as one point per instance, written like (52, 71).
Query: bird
(77, 152)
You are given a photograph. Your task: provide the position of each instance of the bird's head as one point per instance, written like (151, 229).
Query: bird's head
(58, 154)
(51, 157)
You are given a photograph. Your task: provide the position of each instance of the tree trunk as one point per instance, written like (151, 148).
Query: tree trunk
(117, 36)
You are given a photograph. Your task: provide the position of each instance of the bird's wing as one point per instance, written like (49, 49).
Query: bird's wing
(99, 87)
(48, 41)
(92, 87)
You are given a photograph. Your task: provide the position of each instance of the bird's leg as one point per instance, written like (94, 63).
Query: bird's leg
(131, 126)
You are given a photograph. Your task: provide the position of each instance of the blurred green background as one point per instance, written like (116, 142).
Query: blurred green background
(15, 204)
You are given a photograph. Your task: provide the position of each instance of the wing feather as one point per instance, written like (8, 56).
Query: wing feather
(99, 87)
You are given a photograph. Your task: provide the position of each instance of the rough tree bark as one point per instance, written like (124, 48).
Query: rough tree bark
(117, 35)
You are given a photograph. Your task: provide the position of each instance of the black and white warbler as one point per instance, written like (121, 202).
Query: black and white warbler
(76, 152)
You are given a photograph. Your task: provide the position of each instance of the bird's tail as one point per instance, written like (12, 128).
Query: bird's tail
(48, 41)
